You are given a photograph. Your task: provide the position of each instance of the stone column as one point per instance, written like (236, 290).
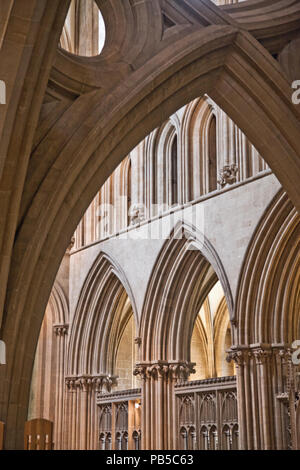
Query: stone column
(159, 414)
(85, 385)
(86, 28)
(81, 410)
(70, 416)
(289, 400)
(264, 375)
(60, 333)
(241, 359)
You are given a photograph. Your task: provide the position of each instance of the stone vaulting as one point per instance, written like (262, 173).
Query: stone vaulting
(149, 224)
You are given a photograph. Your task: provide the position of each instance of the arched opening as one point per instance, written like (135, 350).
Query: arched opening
(84, 29)
(211, 337)
(212, 154)
(184, 279)
(268, 312)
(48, 375)
(126, 357)
(128, 189)
(55, 222)
(174, 171)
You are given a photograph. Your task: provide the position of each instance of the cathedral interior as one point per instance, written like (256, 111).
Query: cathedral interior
(149, 225)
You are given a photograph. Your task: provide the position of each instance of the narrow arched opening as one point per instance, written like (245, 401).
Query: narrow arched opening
(84, 29)
(212, 154)
(174, 171)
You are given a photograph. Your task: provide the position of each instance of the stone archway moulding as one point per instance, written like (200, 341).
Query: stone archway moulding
(91, 133)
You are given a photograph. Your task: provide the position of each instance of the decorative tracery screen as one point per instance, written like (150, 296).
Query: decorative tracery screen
(208, 418)
(106, 427)
(119, 424)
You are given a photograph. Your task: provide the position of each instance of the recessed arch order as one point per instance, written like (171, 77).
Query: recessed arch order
(102, 311)
(185, 271)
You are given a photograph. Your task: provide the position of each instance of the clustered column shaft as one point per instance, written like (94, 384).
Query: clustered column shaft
(159, 418)
(267, 390)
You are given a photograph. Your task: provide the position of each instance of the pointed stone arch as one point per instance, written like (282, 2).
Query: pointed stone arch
(222, 59)
(267, 322)
(59, 305)
(100, 317)
(268, 299)
(185, 271)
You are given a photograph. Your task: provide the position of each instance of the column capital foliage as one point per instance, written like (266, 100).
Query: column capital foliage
(61, 329)
(99, 383)
(260, 352)
(178, 371)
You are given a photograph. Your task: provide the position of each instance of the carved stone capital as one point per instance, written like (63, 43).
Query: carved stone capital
(239, 356)
(181, 371)
(100, 383)
(177, 371)
(85, 383)
(261, 355)
(104, 383)
(61, 330)
(286, 355)
(71, 383)
(140, 370)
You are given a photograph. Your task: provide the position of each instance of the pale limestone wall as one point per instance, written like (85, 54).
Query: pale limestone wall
(230, 219)
(141, 186)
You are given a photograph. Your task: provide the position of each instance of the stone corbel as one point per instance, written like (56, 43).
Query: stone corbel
(227, 175)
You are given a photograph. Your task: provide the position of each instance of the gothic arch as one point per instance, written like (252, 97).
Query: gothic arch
(59, 305)
(195, 130)
(223, 338)
(222, 59)
(268, 300)
(59, 216)
(101, 316)
(162, 161)
(49, 364)
(184, 273)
